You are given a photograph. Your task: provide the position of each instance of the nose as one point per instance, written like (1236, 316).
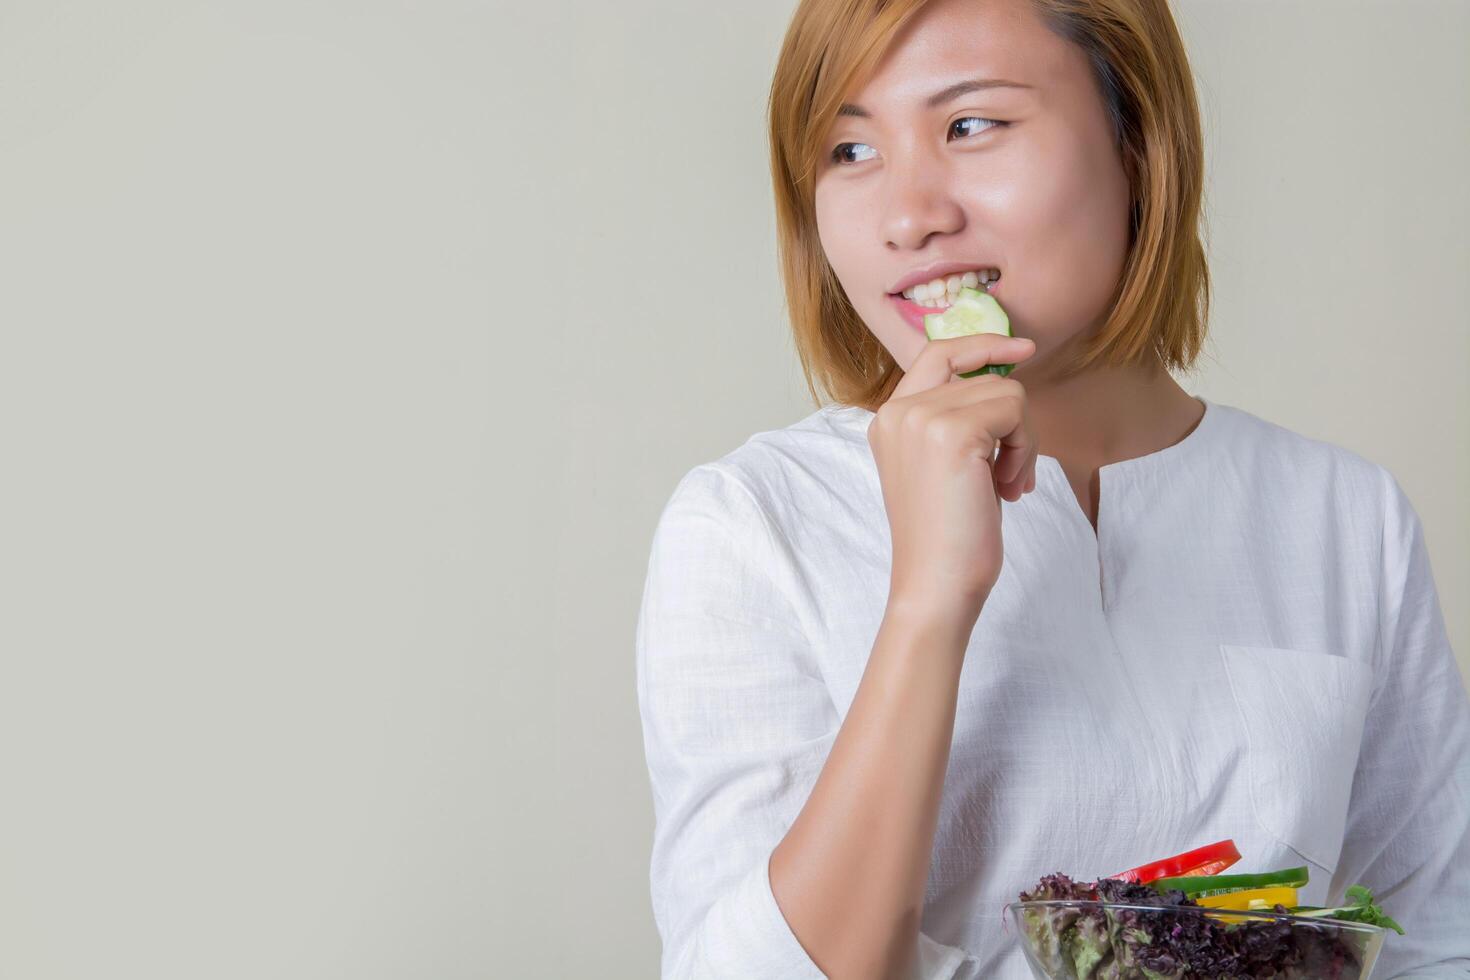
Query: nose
(919, 205)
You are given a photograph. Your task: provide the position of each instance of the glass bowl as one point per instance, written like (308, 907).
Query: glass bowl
(1095, 940)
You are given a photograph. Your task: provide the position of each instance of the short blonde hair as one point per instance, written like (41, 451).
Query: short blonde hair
(1162, 302)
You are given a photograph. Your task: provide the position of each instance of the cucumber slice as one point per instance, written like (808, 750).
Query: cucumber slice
(973, 311)
(1196, 886)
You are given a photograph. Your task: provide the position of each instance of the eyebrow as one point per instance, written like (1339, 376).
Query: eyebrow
(943, 95)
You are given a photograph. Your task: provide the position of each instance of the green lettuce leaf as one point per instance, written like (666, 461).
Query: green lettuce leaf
(1360, 908)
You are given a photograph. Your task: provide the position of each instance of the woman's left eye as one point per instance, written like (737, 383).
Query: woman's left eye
(975, 119)
(840, 152)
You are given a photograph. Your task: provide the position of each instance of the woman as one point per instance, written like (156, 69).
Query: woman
(870, 719)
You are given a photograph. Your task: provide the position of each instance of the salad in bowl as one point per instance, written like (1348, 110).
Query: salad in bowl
(1179, 918)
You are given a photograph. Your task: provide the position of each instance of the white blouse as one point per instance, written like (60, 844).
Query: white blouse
(1249, 646)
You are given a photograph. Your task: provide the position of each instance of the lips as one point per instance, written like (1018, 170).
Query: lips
(913, 314)
(941, 271)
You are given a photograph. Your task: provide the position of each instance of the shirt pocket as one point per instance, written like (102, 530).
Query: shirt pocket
(1302, 715)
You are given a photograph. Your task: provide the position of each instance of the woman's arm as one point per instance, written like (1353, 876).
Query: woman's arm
(861, 799)
(739, 724)
(1408, 829)
(849, 875)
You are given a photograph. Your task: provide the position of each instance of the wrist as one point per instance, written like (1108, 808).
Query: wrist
(937, 617)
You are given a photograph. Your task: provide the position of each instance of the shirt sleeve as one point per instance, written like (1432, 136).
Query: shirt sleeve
(1408, 829)
(737, 723)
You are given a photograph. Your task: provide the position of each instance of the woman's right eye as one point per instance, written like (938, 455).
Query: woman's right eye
(839, 152)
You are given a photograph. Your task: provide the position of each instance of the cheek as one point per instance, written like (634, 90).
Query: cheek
(844, 243)
(836, 231)
(834, 225)
(846, 234)
(1066, 236)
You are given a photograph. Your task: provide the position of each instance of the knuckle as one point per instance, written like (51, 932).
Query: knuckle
(946, 431)
(1012, 394)
(918, 421)
(885, 420)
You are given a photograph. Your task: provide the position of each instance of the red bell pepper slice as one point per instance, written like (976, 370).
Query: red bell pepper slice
(1208, 860)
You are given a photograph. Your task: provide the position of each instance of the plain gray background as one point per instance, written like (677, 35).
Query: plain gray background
(351, 350)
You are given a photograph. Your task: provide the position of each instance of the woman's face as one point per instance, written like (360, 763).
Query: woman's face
(1026, 180)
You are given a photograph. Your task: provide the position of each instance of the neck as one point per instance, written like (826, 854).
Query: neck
(1107, 414)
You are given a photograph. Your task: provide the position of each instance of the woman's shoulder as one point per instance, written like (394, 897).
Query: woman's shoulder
(1260, 441)
(1294, 458)
(782, 471)
(829, 434)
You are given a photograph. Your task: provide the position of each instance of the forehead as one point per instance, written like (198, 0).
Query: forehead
(948, 40)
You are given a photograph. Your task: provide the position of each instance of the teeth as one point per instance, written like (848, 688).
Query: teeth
(939, 293)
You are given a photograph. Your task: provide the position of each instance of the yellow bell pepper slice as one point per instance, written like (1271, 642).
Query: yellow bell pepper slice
(1252, 898)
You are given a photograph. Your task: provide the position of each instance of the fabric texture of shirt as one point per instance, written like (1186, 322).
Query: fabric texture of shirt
(1249, 646)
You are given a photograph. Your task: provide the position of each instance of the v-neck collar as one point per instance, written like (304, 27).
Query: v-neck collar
(1052, 483)
(1193, 443)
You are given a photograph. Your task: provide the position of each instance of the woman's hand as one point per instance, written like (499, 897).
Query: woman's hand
(935, 442)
